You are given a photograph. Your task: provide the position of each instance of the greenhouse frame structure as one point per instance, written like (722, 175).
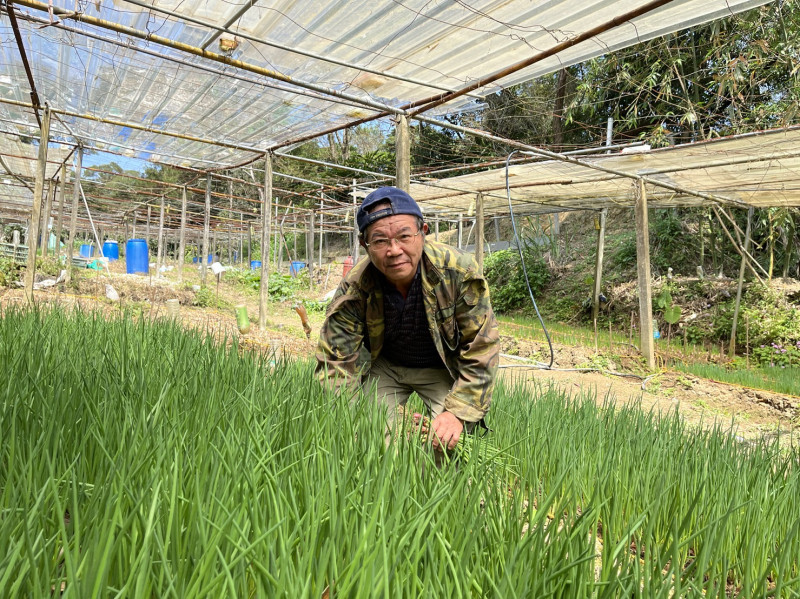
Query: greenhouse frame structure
(219, 85)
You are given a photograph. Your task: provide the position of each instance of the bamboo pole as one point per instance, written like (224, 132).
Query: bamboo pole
(742, 265)
(479, 231)
(598, 268)
(73, 221)
(643, 271)
(266, 213)
(36, 214)
(182, 236)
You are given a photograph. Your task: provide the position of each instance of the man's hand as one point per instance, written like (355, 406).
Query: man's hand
(446, 430)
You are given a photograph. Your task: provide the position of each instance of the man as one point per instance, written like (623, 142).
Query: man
(416, 316)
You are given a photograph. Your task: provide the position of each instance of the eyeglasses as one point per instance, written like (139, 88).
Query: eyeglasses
(383, 243)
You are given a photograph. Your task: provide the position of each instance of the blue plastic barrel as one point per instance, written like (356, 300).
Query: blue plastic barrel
(87, 250)
(111, 250)
(137, 256)
(255, 264)
(295, 267)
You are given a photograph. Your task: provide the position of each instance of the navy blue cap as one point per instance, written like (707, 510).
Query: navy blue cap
(400, 203)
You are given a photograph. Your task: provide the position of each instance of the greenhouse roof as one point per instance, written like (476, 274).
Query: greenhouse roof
(759, 169)
(231, 79)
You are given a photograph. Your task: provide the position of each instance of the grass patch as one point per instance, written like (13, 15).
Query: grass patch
(137, 460)
(779, 380)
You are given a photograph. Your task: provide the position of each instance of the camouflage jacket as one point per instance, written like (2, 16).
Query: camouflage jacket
(460, 319)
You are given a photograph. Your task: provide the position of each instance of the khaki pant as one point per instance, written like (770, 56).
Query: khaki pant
(395, 384)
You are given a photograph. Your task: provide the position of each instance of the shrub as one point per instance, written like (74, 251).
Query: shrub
(507, 281)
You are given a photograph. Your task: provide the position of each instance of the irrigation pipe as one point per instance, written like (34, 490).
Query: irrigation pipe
(542, 366)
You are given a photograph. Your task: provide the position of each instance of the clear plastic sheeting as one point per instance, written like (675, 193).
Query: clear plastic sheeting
(759, 169)
(359, 56)
(18, 160)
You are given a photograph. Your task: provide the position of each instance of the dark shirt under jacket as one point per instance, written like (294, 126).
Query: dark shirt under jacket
(407, 340)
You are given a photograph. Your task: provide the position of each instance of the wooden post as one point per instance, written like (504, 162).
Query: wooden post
(73, 221)
(643, 271)
(598, 265)
(742, 265)
(206, 225)
(133, 233)
(60, 218)
(36, 213)
(402, 154)
(479, 234)
(160, 258)
(182, 236)
(266, 217)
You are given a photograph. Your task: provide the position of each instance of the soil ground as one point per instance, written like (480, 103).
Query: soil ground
(699, 401)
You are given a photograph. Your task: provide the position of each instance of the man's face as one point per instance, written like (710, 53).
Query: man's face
(397, 261)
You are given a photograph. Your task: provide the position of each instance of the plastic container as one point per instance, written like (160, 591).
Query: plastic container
(87, 250)
(173, 308)
(242, 320)
(295, 267)
(255, 265)
(348, 266)
(111, 250)
(137, 256)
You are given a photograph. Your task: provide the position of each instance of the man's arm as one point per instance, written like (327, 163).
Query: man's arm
(476, 362)
(340, 340)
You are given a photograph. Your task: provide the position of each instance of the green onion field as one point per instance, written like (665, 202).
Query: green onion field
(140, 460)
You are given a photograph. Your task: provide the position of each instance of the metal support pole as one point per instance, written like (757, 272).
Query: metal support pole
(321, 232)
(266, 217)
(643, 270)
(147, 230)
(250, 242)
(230, 222)
(206, 225)
(73, 221)
(479, 231)
(36, 214)
(182, 236)
(160, 258)
(355, 244)
(310, 250)
(598, 265)
(460, 229)
(48, 210)
(402, 154)
(742, 266)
